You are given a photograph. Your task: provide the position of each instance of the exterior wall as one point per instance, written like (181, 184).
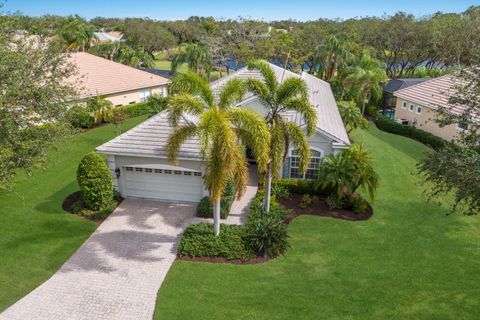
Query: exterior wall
(424, 121)
(257, 106)
(124, 98)
(121, 161)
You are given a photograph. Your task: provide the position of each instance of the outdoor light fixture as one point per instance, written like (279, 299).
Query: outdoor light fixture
(117, 172)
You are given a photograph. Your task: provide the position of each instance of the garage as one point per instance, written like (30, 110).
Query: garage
(163, 182)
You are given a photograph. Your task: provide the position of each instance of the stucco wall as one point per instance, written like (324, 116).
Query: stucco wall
(121, 161)
(124, 98)
(424, 121)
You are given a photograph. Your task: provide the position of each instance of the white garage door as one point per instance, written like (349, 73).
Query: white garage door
(176, 184)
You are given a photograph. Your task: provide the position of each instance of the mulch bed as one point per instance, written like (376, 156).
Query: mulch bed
(70, 200)
(256, 260)
(320, 208)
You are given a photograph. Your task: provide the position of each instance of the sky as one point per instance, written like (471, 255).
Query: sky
(263, 10)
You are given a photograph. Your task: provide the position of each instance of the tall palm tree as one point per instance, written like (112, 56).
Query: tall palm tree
(134, 57)
(197, 56)
(365, 77)
(332, 55)
(221, 127)
(289, 95)
(77, 34)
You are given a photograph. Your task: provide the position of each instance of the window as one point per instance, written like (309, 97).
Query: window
(138, 169)
(197, 174)
(129, 168)
(132, 102)
(167, 171)
(412, 107)
(187, 173)
(118, 105)
(144, 94)
(404, 105)
(148, 170)
(313, 166)
(178, 172)
(158, 170)
(462, 126)
(419, 110)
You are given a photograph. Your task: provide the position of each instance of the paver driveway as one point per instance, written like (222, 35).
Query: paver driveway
(117, 272)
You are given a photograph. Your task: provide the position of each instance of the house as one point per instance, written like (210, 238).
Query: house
(138, 159)
(106, 37)
(389, 100)
(417, 105)
(118, 83)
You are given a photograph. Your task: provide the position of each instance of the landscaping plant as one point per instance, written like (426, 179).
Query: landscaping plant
(101, 109)
(95, 182)
(80, 117)
(267, 236)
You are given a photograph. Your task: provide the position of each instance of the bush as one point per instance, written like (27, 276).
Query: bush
(357, 204)
(267, 237)
(132, 110)
(280, 190)
(305, 201)
(294, 186)
(334, 202)
(79, 117)
(385, 124)
(95, 182)
(256, 207)
(80, 209)
(205, 208)
(198, 240)
(101, 109)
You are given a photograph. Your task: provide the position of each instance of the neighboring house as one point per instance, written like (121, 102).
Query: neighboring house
(138, 159)
(105, 37)
(417, 106)
(389, 101)
(118, 83)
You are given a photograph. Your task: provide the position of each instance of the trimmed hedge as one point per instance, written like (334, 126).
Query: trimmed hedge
(95, 182)
(199, 240)
(80, 117)
(132, 110)
(205, 208)
(388, 125)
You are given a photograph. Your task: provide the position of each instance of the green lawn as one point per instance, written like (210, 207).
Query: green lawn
(409, 261)
(36, 236)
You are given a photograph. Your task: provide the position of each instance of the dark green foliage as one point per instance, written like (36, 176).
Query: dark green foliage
(133, 110)
(205, 209)
(385, 124)
(280, 190)
(199, 240)
(294, 186)
(305, 201)
(80, 208)
(95, 182)
(334, 202)
(80, 117)
(156, 104)
(357, 204)
(267, 237)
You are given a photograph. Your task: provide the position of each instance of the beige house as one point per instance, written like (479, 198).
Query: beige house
(417, 106)
(118, 83)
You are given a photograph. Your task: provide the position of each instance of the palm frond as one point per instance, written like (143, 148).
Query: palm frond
(177, 138)
(292, 88)
(259, 89)
(232, 93)
(308, 112)
(194, 84)
(300, 142)
(183, 103)
(267, 72)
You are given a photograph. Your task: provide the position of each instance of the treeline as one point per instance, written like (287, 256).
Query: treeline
(405, 43)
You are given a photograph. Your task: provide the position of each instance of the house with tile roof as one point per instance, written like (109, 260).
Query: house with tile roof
(417, 105)
(138, 158)
(118, 83)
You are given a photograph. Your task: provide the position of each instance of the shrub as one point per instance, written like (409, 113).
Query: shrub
(280, 190)
(101, 109)
(305, 201)
(95, 182)
(132, 110)
(80, 209)
(79, 117)
(267, 237)
(294, 186)
(334, 202)
(256, 207)
(199, 240)
(205, 208)
(388, 125)
(357, 204)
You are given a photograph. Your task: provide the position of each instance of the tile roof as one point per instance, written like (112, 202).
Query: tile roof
(397, 84)
(97, 75)
(433, 93)
(149, 138)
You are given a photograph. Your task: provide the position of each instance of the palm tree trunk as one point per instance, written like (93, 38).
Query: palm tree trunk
(268, 189)
(216, 217)
(363, 103)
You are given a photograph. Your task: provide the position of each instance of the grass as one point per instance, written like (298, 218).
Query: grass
(409, 261)
(36, 236)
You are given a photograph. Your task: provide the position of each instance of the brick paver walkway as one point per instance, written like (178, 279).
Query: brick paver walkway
(117, 272)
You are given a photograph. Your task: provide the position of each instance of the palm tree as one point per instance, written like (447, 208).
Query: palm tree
(77, 34)
(100, 109)
(290, 95)
(221, 127)
(135, 57)
(365, 76)
(197, 56)
(351, 116)
(333, 54)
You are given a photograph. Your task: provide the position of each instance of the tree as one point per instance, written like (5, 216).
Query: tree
(348, 171)
(220, 127)
(456, 168)
(365, 77)
(134, 57)
(196, 56)
(101, 109)
(331, 56)
(32, 113)
(351, 116)
(288, 95)
(150, 35)
(77, 34)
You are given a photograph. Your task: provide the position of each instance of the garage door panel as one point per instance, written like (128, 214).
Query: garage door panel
(163, 186)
